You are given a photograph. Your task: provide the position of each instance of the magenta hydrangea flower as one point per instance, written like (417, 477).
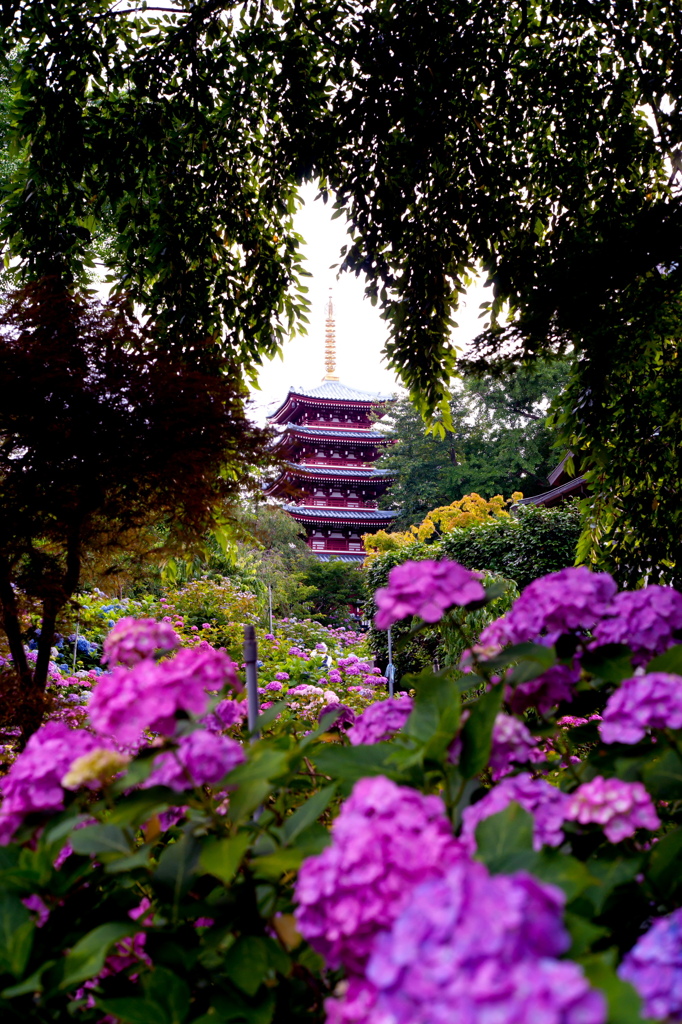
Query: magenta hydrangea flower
(652, 701)
(34, 782)
(512, 743)
(426, 589)
(225, 714)
(555, 686)
(345, 716)
(386, 839)
(619, 807)
(201, 759)
(474, 948)
(654, 967)
(148, 696)
(381, 720)
(132, 639)
(561, 602)
(645, 620)
(544, 802)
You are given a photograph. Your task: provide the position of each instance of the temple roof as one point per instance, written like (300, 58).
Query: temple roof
(340, 556)
(357, 473)
(331, 391)
(349, 514)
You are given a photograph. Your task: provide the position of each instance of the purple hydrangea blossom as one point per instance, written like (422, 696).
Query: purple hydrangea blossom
(132, 639)
(561, 602)
(426, 589)
(386, 839)
(225, 714)
(619, 807)
(274, 685)
(201, 759)
(652, 701)
(544, 802)
(645, 620)
(478, 949)
(555, 686)
(512, 743)
(654, 967)
(147, 696)
(381, 720)
(345, 716)
(282, 676)
(34, 782)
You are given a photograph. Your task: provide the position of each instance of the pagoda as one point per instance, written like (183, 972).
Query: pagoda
(330, 446)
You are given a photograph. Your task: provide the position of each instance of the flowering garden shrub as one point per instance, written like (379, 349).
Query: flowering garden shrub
(502, 844)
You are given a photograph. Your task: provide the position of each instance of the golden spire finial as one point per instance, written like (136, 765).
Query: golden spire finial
(330, 342)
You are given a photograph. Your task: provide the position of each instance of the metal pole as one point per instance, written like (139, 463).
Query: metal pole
(250, 659)
(75, 643)
(390, 671)
(270, 603)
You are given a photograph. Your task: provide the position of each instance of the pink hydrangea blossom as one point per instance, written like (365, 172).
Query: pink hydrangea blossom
(132, 639)
(201, 759)
(561, 602)
(654, 967)
(381, 720)
(619, 807)
(544, 802)
(34, 782)
(426, 589)
(652, 701)
(225, 714)
(148, 696)
(646, 621)
(386, 839)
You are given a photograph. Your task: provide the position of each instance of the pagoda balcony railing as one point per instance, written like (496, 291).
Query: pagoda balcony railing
(333, 463)
(338, 503)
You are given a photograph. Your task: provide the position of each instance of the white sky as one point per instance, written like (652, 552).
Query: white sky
(360, 332)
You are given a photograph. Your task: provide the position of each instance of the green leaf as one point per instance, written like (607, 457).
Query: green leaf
(247, 963)
(86, 958)
(477, 732)
(663, 776)
(353, 763)
(246, 798)
(102, 839)
(609, 873)
(274, 865)
(222, 857)
(308, 813)
(169, 991)
(566, 872)
(30, 985)
(669, 661)
(435, 716)
(504, 841)
(623, 1001)
(663, 870)
(178, 864)
(270, 714)
(583, 934)
(16, 934)
(134, 1011)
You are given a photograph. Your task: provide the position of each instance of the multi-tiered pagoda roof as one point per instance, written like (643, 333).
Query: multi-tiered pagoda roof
(330, 443)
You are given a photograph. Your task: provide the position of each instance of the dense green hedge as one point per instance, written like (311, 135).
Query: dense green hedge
(520, 548)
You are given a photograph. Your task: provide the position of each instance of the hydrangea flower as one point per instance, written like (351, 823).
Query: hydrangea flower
(474, 948)
(426, 589)
(546, 804)
(132, 639)
(128, 701)
(555, 686)
(386, 839)
(381, 720)
(654, 967)
(511, 742)
(619, 807)
(645, 620)
(345, 716)
(561, 602)
(34, 782)
(652, 701)
(201, 759)
(225, 714)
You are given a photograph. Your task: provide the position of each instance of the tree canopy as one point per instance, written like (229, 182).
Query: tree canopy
(500, 443)
(536, 139)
